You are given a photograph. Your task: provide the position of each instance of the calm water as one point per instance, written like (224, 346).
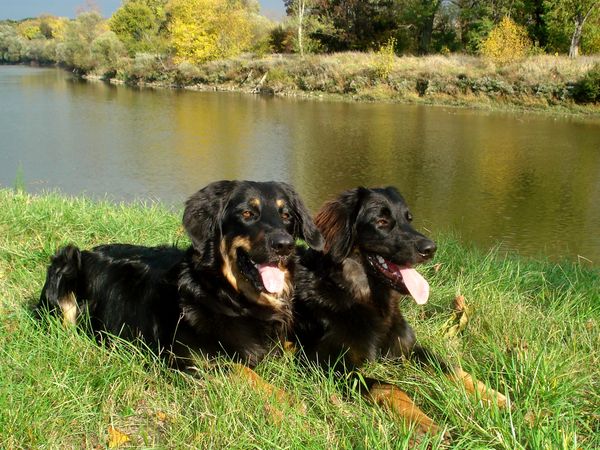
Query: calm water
(529, 183)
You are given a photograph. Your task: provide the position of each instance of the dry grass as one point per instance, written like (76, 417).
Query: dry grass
(537, 82)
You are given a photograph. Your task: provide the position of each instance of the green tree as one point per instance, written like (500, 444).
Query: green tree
(76, 49)
(106, 50)
(354, 24)
(571, 17)
(305, 23)
(420, 15)
(140, 24)
(12, 44)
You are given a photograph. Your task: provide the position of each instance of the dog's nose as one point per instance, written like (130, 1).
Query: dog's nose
(282, 243)
(426, 248)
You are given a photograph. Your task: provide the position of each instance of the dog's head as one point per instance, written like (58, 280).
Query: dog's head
(248, 230)
(369, 231)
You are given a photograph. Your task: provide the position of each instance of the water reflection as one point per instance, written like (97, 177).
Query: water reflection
(528, 182)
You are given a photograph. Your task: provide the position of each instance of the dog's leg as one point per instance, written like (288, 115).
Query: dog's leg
(402, 407)
(456, 374)
(69, 309)
(477, 388)
(268, 391)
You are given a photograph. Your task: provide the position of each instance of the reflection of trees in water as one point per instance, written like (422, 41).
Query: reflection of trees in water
(488, 176)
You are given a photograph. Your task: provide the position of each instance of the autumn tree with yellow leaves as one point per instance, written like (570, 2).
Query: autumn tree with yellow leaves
(204, 30)
(507, 42)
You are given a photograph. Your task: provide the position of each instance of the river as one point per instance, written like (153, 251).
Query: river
(526, 183)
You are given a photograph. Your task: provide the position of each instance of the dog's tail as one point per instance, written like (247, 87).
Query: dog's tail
(62, 279)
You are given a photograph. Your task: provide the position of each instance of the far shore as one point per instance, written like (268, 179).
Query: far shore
(539, 83)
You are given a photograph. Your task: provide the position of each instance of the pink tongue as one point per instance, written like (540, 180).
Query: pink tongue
(273, 279)
(416, 285)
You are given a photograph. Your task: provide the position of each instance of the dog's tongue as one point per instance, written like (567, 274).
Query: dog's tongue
(416, 285)
(273, 279)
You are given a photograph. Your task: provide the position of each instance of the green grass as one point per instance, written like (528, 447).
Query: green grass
(533, 333)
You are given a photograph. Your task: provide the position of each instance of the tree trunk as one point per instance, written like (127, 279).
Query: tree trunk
(301, 11)
(425, 35)
(576, 38)
(580, 19)
(426, 29)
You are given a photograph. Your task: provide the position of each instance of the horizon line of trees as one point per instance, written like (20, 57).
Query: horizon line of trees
(196, 31)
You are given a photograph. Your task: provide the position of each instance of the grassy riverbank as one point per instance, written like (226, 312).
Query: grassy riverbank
(542, 82)
(533, 333)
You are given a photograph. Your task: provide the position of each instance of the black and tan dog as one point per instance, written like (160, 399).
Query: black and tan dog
(346, 308)
(229, 293)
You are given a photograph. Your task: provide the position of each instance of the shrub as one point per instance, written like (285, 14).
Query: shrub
(107, 49)
(384, 61)
(587, 89)
(507, 42)
(281, 39)
(12, 44)
(147, 67)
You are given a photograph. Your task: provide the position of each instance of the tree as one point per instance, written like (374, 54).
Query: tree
(107, 49)
(355, 24)
(139, 25)
(305, 23)
(507, 42)
(421, 15)
(76, 49)
(12, 44)
(571, 24)
(204, 30)
(574, 12)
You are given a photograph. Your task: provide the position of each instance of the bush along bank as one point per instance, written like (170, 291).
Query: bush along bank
(537, 82)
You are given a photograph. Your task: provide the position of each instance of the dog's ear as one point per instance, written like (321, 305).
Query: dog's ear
(337, 222)
(203, 213)
(305, 228)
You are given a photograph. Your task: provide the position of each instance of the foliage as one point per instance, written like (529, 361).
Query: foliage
(353, 24)
(12, 45)
(52, 27)
(30, 28)
(384, 59)
(305, 23)
(140, 25)
(506, 43)
(587, 89)
(562, 18)
(204, 30)
(76, 49)
(106, 50)
(281, 39)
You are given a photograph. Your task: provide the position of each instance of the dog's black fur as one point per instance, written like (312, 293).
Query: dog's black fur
(208, 299)
(346, 301)
(346, 308)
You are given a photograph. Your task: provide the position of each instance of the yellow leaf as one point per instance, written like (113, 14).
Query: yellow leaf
(116, 438)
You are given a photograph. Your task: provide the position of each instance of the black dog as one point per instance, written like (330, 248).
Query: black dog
(229, 293)
(346, 304)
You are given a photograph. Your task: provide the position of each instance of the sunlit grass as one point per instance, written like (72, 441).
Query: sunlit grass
(540, 82)
(533, 333)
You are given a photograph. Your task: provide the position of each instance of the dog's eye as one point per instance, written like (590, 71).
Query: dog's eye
(247, 215)
(382, 222)
(285, 215)
(409, 216)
